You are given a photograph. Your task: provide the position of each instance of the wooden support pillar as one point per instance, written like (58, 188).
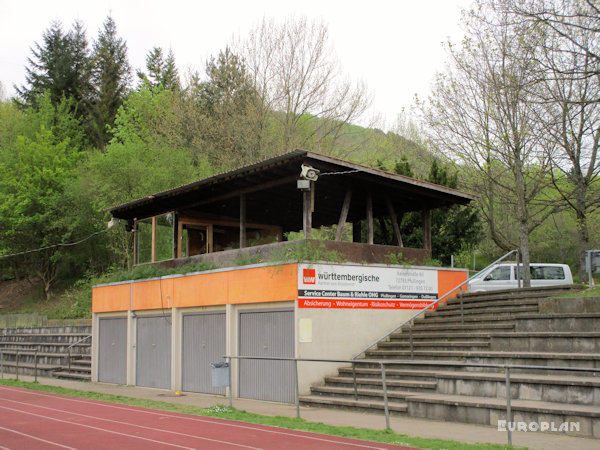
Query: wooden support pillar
(136, 250)
(242, 220)
(153, 249)
(307, 212)
(369, 219)
(392, 214)
(343, 215)
(427, 229)
(175, 235)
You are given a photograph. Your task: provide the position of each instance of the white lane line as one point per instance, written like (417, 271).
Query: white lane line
(229, 423)
(120, 422)
(34, 437)
(94, 428)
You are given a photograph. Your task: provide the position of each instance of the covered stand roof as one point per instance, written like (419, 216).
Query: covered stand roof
(272, 196)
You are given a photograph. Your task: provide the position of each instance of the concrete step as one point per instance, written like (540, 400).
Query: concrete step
(363, 405)
(581, 390)
(553, 341)
(69, 329)
(77, 367)
(46, 337)
(72, 375)
(9, 366)
(438, 335)
(460, 328)
(476, 305)
(488, 411)
(347, 381)
(362, 393)
(392, 373)
(434, 345)
(545, 358)
(471, 318)
(536, 292)
(45, 347)
(483, 310)
(558, 322)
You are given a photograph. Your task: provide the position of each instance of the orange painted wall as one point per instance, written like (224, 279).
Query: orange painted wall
(449, 279)
(111, 298)
(238, 286)
(256, 285)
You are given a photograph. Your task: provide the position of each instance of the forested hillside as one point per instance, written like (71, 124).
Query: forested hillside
(87, 131)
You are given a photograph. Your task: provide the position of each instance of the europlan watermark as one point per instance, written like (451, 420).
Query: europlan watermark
(561, 427)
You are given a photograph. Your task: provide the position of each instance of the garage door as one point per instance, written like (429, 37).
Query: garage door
(112, 350)
(267, 333)
(153, 355)
(204, 337)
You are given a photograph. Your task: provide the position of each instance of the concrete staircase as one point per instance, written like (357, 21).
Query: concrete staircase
(523, 327)
(57, 351)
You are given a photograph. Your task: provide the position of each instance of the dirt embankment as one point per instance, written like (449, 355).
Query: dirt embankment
(14, 294)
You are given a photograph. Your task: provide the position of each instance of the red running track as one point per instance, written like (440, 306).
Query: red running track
(31, 419)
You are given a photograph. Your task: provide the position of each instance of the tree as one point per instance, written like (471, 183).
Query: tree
(142, 157)
(454, 229)
(572, 21)
(232, 110)
(293, 70)
(33, 173)
(111, 77)
(570, 93)
(162, 73)
(60, 66)
(483, 112)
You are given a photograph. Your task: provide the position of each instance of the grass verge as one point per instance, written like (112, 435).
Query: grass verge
(225, 412)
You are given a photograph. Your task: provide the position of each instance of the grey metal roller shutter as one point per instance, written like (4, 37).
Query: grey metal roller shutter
(153, 356)
(267, 333)
(112, 350)
(204, 341)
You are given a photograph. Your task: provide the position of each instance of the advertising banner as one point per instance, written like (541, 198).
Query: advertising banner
(342, 286)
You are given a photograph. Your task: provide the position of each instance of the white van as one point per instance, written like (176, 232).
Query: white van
(504, 276)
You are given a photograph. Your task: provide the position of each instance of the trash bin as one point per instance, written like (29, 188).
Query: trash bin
(220, 374)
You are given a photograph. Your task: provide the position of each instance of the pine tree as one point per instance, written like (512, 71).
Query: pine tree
(162, 73)
(59, 66)
(111, 78)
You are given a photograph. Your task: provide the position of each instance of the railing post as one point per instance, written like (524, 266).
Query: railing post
(354, 381)
(69, 359)
(462, 312)
(508, 410)
(297, 390)
(17, 367)
(1, 364)
(518, 271)
(231, 387)
(410, 336)
(385, 397)
(35, 362)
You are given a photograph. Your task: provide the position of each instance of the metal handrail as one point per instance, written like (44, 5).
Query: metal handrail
(432, 304)
(69, 350)
(382, 363)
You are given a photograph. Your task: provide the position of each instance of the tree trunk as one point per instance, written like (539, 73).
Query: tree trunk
(582, 230)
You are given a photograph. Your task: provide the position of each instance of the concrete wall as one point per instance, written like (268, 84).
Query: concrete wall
(338, 334)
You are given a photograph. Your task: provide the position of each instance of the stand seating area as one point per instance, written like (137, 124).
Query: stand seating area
(522, 327)
(62, 352)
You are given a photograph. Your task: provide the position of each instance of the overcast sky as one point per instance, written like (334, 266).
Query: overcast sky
(394, 46)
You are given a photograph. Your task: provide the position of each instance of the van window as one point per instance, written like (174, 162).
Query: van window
(499, 273)
(552, 273)
(545, 273)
